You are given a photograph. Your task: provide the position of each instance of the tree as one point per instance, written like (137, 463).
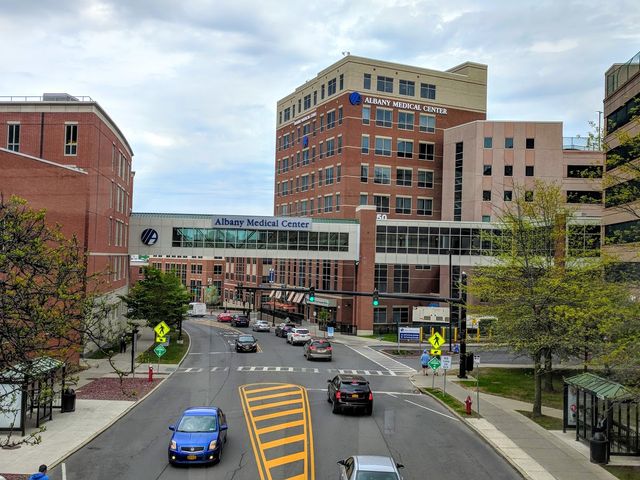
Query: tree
(158, 297)
(211, 295)
(544, 301)
(48, 305)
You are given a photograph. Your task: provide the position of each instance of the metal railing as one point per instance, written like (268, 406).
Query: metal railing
(622, 74)
(581, 143)
(47, 98)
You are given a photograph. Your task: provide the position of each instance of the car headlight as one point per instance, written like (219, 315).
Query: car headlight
(212, 445)
(173, 445)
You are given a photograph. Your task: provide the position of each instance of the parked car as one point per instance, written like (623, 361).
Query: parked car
(240, 321)
(350, 391)
(369, 466)
(198, 437)
(246, 343)
(283, 329)
(318, 348)
(197, 309)
(261, 326)
(296, 336)
(225, 317)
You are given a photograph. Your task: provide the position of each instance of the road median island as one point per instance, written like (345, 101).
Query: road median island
(175, 352)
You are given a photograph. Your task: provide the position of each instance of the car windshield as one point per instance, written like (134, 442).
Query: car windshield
(197, 423)
(246, 339)
(364, 475)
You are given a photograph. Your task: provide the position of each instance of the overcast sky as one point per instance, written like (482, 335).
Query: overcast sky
(193, 84)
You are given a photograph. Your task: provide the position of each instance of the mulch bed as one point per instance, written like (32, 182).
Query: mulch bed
(14, 476)
(112, 389)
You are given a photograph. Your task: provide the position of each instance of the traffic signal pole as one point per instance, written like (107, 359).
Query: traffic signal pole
(463, 326)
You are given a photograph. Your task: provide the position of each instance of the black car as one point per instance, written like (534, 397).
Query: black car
(283, 329)
(240, 321)
(246, 343)
(350, 391)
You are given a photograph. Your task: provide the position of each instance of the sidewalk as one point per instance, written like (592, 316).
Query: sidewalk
(68, 431)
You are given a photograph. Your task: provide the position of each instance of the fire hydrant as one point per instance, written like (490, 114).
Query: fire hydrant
(150, 373)
(468, 402)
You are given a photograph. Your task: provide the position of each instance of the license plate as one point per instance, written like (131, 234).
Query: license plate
(191, 457)
(354, 395)
(321, 350)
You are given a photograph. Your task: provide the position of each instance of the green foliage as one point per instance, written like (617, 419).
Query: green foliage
(158, 297)
(211, 295)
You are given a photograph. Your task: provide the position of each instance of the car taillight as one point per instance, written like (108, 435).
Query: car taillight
(312, 347)
(370, 396)
(329, 348)
(338, 395)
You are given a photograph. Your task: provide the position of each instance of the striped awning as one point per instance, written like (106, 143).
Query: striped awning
(299, 298)
(273, 292)
(278, 294)
(291, 296)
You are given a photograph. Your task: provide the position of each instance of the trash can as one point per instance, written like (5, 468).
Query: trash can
(68, 400)
(598, 446)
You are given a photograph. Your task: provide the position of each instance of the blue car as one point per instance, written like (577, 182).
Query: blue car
(198, 437)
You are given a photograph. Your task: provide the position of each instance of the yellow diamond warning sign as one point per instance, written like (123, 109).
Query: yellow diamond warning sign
(436, 340)
(161, 329)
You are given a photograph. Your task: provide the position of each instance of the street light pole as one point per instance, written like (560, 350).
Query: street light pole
(463, 326)
(451, 307)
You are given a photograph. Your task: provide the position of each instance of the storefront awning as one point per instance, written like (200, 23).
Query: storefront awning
(299, 298)
(273, 292)
(291, 296)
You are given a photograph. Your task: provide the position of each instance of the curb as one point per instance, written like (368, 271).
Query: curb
(52, 465)
(478, 432)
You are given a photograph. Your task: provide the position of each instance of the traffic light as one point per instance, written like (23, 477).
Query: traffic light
(376, 300)
(312, 294)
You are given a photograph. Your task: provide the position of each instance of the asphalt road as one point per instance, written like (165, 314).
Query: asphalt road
(412, 428)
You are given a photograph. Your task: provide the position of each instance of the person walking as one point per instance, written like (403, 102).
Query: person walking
(41, 475)
(424, 361)
(123, 343)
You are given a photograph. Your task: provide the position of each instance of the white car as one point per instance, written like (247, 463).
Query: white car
(261, 326)
(298, 335)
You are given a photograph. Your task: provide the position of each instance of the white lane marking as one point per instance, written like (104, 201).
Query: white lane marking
(389, 364)
(64, 471)
(432, 410)
(217, 353)
(194, 353)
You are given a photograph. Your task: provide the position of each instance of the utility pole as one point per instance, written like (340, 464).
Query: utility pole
(451, 307)
(463, 326)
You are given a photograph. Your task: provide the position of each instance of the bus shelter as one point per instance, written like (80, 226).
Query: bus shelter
(594, 404)
(29, 389)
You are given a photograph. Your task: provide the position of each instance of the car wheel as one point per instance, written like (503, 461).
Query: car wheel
(335, 408)
(328, 396)
(219, 455)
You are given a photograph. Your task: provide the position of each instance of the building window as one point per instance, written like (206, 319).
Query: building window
(508, 170)
(380, 314)
(315, 97)
(320, 177)
(299, 105)
(405, 120)
(13, 137)
(427, 151)
(384, 117)
(528, 196)
(364, 173)
(401, 284)
(403, 177)
(331, 119)
(364, 145)
(486, 170)
(196, 269)
(488, 142)
(342, 81)
(425, 206)
(383, 146)
(582, 196)
(405, 149)
(457, 186)
(340, 115)
(304, 181)
(328, 176)
(305, 157)
(486, 218)
(287, 114)
(382, 175)
(307, 102)
(366, 84)
(528, 171)
(427, 123)
(428, 91)
(322, 92)
(331, 142)
(71, 140)
(584, 171)
(339, 144)
(403, 205)
(385, 84)
(331, 87)
(508, 195)
(321, 150)
(380, 276)
(425, 179)
(508, 142)
(531, 143)
(486, 195)
(407, 87)
(328, 203)
(382, 203)
(366, 115)
(364, 199)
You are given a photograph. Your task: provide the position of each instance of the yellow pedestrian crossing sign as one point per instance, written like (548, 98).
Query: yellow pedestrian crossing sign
(435, 352)
(161, 329)
(436, 340)
(161, 339)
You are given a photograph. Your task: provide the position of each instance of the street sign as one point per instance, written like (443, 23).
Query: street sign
(434, 363)
(446, 362)
(161, 339)
(436, 340)
(476, 359)
(410, 334)
(161, 329)
(330, 332)
(160, 350)
(435, 351)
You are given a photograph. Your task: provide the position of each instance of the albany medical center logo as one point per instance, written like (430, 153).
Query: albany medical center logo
(149, 237)
(355, 98)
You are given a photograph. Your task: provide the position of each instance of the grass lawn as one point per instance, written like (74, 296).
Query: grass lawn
(517, 383)
(452, 402)
(104, 352)
(549, 423)
(174, 354)
(387, 337)
(625, 473)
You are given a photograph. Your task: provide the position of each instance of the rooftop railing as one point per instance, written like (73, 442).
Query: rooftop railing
(47, 97)
(622, 74)
(581, 143)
